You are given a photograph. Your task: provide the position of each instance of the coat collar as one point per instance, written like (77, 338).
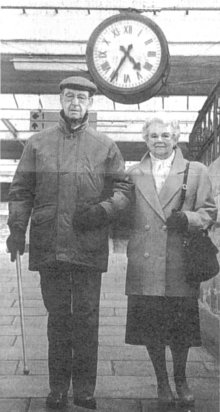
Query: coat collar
(173, 183)
(174, 180)
(69, 128)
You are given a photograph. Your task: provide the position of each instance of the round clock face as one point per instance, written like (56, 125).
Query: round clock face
(127, 53)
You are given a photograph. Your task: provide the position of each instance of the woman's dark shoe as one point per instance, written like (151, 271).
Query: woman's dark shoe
(87, 402)
(165, 395)
(184, 393)
(57, 400)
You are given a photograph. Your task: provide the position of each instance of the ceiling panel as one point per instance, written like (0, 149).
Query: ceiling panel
(7, 100)
(50, 102)
(105, 4)
(196, 102)
(27, 101)
(77, 26)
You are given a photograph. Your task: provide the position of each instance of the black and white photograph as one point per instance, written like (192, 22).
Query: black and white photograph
(109, 205)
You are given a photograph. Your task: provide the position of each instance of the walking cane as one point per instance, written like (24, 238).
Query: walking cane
(20, 296)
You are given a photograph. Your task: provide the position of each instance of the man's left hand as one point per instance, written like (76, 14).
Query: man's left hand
(90, 218)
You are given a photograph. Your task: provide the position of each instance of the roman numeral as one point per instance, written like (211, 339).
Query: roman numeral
(102, 54)
(148, 66)
(148, 41)
(116, 32)
(115, 76)
(106, 41)
(151, 54)
(128, 29)
(106, 66)
(127, 78)
(139, 76)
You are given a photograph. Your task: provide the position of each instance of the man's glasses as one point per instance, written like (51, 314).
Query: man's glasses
(80, 97)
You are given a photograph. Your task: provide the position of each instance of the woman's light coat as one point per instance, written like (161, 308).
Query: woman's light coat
(155, 257)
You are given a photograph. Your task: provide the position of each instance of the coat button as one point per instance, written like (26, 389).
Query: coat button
(164, 227)
(146, 255)
(147, 227)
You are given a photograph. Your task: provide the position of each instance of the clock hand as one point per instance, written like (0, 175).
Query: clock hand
(122, 48)
(114, 74)
(126, 53)
(136, 65)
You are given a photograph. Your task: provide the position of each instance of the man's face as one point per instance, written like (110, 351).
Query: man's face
(160, 140)
(75, 103)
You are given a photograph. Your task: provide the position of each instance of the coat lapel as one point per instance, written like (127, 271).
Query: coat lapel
(145, 184)
(174, 180)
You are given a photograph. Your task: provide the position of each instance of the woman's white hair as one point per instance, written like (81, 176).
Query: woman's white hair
(174, 124)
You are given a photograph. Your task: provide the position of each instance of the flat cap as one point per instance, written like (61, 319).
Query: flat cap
(78, 82)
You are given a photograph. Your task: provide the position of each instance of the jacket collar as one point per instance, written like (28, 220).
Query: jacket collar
(69, 128)
(146, 185)
(174, 180)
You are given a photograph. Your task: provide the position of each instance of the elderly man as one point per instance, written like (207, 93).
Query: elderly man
(71, 181)
(162, 306)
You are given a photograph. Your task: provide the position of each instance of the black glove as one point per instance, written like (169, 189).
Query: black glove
(177, 221)
(16, 242)
(89, 218)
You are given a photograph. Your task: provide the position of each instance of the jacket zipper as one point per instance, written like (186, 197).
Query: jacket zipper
(77, 162)
(58, 186)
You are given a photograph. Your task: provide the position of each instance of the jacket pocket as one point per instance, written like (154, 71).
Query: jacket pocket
(43, 231)
(136, 244)
(43, 214)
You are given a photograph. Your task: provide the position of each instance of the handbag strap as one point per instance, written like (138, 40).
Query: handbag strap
(184, 187)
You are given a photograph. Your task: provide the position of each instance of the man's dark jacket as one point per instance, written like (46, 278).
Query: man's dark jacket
(63, 168)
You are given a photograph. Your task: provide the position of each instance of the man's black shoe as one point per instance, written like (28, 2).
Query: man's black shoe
(184, 393)
(87, 402)
(57, 400)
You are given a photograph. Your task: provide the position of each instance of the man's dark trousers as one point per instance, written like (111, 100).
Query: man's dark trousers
(71, 295)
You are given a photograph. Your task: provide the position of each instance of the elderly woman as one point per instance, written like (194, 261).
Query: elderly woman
(162, 306)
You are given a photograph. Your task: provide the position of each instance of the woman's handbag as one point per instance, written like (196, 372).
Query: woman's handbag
(200, 257)
(200, 252)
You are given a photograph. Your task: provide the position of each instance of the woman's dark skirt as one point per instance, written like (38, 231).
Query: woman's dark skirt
(168, 320)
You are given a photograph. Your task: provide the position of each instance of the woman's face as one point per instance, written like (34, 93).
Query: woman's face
(160, 140)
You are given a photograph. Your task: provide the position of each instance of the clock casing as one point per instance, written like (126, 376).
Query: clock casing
(128, 58)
